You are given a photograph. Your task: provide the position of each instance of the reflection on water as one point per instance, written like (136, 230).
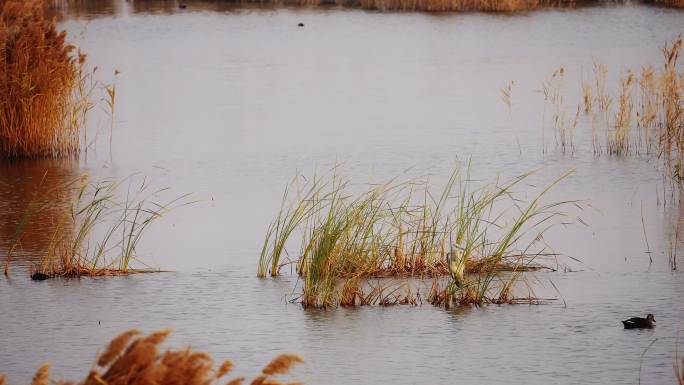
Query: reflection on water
(43, 188)
(230, 105)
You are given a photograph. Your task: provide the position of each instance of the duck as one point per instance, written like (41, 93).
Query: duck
(39, 276)
(640, 323)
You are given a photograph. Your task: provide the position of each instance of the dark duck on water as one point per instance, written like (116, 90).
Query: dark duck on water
(39, 276)
(640, 323)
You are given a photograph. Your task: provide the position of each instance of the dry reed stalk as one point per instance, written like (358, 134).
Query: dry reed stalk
(42, 376)
(647, 112)
(602, 97)
(116, 347)
(563, 129)
(43, 98)
(586, 97)
(139, 361)
(619, 143)
(677, 365)
(224, 369)
(506, 93)
(282, 364)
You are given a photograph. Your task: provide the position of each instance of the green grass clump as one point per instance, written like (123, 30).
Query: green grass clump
(404, 230)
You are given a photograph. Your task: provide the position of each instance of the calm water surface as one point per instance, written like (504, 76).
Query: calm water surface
(231, 103)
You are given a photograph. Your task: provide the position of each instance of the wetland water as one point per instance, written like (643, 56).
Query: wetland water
(231, 103)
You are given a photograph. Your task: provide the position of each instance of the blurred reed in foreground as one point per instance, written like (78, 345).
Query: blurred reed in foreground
(133, 359)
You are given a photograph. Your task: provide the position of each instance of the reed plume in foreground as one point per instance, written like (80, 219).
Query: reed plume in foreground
(43, 98)
(133, 359)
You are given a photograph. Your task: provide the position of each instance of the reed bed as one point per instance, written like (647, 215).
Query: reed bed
(134, 359)
(508, 6)
(404, 230)
(455, 5)
(43, 85)
(643, 116)
(100, 235)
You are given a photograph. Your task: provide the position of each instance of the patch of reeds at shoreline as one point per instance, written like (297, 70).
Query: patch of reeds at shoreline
(134, 359)
(644, 115)
(43, 85)
(442, 5)
(475, 242)
(63, 7)
(99, 233)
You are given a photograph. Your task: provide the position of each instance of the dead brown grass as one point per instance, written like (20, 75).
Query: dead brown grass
(432, 5)
(43, 100)
(442, 5)
(462, 5)
(133, 359)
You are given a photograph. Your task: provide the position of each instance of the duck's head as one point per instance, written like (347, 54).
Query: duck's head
(651, 318)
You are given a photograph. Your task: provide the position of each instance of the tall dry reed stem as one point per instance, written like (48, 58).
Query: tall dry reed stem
(563, 128)
(132, 359)
(43, 97)
(42, 376)
(618, 139)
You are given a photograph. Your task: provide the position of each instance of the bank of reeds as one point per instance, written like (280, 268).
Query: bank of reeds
(456, 5)
(405, 230)
(643, 116)
(427, 5)
(134, 359)
(43, 91)
(667, 3)
(101, 232)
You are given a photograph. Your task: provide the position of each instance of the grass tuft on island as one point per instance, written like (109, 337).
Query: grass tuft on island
(481, 238)
(99, 233)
